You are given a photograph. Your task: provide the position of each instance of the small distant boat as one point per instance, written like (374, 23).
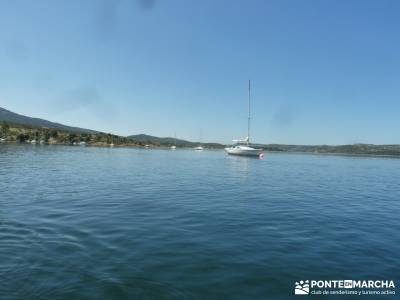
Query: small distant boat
(111, 145)
(199, 147)
(41, 142)
(147, 146)
(2, 140)
(33, 142)
(173, 147)
(242, 147)
(82, 143)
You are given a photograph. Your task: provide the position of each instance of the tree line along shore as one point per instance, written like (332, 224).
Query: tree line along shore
(26, 134)
(17, 133)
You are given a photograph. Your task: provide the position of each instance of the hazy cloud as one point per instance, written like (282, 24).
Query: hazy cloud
(84, 97)
(146, 4)
(106, 18)
(284, 116)
(16, 50)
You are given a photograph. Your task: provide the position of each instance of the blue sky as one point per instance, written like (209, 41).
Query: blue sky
(323, 72)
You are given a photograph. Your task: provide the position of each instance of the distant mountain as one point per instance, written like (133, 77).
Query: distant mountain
(154, 140)
(359, 149)
(168, 141)
(13, 118)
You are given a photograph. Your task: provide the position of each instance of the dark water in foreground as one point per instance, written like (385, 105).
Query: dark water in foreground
(95, 223)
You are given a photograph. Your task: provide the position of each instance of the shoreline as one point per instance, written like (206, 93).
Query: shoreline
(157, 147)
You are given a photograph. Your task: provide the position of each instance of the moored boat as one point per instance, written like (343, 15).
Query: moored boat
(243, 150)
(243, 147)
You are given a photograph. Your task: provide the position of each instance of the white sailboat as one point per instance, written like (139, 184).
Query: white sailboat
(199, 147)
(173, 147)
(242, 147)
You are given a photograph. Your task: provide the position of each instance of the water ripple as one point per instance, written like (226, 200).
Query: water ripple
(93, 223)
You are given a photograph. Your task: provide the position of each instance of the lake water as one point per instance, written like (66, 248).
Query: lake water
(98, 223)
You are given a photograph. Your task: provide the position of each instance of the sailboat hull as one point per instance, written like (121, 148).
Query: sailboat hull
(243, 151)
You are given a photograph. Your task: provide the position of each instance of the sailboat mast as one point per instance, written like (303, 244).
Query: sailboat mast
(201, 136)
(248, 120)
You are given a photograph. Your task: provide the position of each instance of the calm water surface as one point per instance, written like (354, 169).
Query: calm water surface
(96, 223)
